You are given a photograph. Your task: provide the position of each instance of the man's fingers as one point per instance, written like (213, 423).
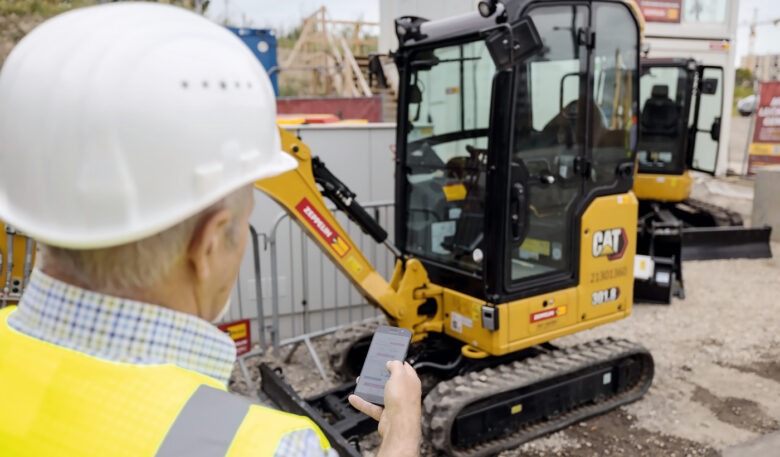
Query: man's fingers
(402, 369)
(365, 407)
(394, 365)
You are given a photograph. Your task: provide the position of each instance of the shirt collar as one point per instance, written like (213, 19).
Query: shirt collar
(121, 330)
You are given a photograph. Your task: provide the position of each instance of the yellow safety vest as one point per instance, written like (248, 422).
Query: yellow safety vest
(58, 402)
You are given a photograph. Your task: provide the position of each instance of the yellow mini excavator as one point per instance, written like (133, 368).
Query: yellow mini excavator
(679, 132)
(515, 223)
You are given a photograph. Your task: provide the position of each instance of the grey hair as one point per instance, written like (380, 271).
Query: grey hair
(144, 263)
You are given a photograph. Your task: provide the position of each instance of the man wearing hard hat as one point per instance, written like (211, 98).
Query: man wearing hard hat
(130, 136)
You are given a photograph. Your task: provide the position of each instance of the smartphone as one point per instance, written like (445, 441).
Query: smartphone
(388, 343)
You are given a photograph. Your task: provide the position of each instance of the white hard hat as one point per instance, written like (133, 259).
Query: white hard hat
(121, 120)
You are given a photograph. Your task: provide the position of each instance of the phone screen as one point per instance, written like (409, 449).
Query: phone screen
(388, 343)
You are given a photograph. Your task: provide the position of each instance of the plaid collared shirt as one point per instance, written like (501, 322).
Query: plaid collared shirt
(127, 331)
(121, 330)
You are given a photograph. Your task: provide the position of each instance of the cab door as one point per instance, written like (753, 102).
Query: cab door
(705, 128)
(548, 151)
(573, 130)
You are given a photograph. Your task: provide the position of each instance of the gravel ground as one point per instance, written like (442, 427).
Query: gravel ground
(717, 356)
(717, 380)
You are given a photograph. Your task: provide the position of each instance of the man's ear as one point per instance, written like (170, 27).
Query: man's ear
(207, 238)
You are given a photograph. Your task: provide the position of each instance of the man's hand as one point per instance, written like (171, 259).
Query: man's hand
(400, 419)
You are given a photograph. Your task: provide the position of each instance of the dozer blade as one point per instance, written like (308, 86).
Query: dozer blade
(484, 412)
(735, 242)
(273, 385)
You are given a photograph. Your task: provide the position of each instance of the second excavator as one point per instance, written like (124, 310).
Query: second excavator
(679, 133)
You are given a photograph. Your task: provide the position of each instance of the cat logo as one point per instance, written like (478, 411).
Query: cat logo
(610, 243)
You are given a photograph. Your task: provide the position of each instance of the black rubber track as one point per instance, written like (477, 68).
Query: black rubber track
(722, 216)
(344, 361)
(443, 404)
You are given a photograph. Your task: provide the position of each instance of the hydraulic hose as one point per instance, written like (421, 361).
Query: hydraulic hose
(344, 199)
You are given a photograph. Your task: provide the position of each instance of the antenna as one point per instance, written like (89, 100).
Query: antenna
(753, 24)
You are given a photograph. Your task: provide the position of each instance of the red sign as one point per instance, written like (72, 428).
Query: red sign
(240, 333)
(320, 226)
(544, 315)
(765, 149)
(661, 10)
(768, 114)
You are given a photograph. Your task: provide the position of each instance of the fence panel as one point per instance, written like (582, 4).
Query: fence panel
(299, 292)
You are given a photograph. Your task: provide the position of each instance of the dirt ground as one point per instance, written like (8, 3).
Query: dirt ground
(717, 356)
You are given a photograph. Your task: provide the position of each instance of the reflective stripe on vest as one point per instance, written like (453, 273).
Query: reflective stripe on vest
(56, 401)
(206, 425)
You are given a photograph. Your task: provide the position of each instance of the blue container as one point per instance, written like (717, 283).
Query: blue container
(262, 42)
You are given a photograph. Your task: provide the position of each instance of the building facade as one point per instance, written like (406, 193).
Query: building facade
(765, 68)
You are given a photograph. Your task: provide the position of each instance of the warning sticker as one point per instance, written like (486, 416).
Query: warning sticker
(439, 232)
(458, 321)
(538, 246)
(453, 192)
(239, 332)
(320, 226)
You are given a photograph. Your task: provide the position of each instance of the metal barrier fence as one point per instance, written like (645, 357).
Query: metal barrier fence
(309, 295)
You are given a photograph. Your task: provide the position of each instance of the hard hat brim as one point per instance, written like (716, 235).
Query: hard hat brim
(282, 163)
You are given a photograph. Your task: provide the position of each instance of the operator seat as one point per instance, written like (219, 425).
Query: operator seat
(660, 115)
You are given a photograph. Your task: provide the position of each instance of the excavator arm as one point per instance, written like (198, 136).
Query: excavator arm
(301, 191)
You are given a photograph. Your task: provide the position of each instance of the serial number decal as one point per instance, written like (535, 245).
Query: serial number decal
(320, 226)
(610, 243)
(606, 275)
(605, 296)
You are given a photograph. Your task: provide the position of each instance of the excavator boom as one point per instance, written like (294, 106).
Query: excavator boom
(298, 193)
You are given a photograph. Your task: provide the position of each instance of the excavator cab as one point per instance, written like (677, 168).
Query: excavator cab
(681, 103)
(507, 132)
(679, 131)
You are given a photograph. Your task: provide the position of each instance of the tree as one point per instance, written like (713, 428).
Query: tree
(744, 77)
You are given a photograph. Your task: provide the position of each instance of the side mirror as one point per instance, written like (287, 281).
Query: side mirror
(525, 42)
(715, 129)
(424, 61)
(709, 86)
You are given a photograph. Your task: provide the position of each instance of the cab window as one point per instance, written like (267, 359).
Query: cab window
(663, 123)
(446, 152)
